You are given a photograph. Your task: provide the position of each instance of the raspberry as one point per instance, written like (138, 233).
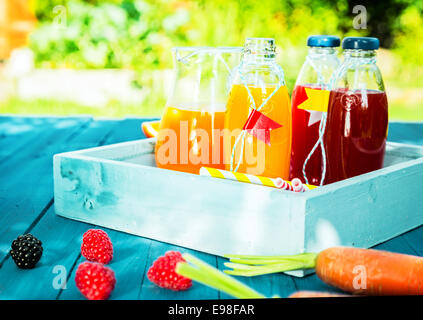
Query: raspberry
(96, 246)
(163, 274)
(26, 251)
(94, 280)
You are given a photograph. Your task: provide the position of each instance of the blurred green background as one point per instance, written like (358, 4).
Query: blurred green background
(138, 35)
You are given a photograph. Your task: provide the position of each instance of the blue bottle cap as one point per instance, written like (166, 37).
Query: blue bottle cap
(323, 41)
(363, 43)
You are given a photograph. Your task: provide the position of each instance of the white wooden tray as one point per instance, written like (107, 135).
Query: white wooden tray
(119, 187)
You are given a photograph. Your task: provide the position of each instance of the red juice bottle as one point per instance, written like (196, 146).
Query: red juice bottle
(315, 73)
(357, 119)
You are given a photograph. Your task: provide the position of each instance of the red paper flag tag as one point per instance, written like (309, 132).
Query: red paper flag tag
(259, 126)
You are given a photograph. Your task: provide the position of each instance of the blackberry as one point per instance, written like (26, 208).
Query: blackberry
(26, 251)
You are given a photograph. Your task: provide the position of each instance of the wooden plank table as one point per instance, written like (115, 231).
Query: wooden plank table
(27, 145)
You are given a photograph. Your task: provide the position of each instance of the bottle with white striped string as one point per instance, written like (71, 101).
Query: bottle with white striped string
(257, 135)
(357, 119)
(320, 63)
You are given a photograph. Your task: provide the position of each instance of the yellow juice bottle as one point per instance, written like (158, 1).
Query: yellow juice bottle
(258, 124)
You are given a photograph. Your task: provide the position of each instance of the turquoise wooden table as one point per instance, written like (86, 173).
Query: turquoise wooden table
(27, 145)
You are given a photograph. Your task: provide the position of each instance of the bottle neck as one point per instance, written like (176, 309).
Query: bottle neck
(359, 54)
(259, 50)
(320, 51)
(359, 71)
(248, 58)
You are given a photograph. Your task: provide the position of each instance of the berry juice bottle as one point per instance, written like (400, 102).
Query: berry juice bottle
(357, 120)
(315, 73)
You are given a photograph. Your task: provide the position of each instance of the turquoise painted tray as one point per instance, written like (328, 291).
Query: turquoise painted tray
(118, 187)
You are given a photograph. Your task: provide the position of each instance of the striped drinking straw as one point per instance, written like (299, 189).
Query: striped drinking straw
(249, 178)
(298, 186)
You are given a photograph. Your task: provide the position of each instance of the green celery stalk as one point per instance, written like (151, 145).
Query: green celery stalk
(202, 272)
(246, 265)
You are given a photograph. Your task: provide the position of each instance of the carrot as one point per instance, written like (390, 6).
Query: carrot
(354, 270)
(384, 273)
(315, 294)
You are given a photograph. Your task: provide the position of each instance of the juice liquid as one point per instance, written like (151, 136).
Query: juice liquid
(188, 140)
(355, 135)
(305, 133)
(258, 157)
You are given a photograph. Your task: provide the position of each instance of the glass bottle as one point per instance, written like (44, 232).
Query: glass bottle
(357, 120)
(190, 134)
(257, 135)
(320, 63)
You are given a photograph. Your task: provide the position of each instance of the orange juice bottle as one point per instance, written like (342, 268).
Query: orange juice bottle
(257, 136)
(191, 130)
